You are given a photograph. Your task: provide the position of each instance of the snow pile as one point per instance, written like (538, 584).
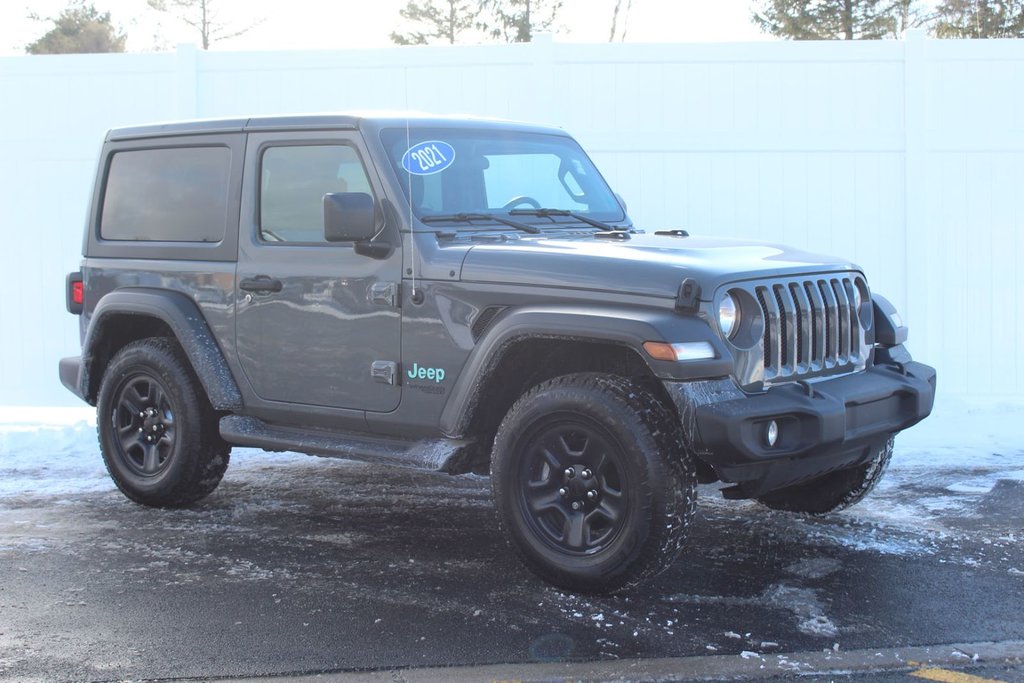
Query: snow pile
(50, 452)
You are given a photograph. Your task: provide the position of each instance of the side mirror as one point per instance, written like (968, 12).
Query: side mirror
(349, 217)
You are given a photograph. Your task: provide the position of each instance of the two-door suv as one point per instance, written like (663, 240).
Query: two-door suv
(469, 295)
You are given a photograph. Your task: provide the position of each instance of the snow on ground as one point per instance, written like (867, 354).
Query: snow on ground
(950, 462)
(938, 500)
(54, 452)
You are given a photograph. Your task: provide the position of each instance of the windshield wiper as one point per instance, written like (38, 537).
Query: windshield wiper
(469, 217)
(549, 213)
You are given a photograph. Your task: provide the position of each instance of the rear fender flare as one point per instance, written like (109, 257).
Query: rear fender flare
(186, 321)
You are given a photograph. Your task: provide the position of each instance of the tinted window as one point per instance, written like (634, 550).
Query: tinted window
(293, 182)
(172, 195)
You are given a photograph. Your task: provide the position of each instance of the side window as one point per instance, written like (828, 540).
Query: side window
(293, 182)
(169, 195)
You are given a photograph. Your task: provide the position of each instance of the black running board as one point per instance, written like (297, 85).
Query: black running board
(440, 455)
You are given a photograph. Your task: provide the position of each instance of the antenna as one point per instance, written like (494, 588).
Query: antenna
(414, 295)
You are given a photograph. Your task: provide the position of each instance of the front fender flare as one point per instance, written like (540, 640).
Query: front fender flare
(629, 327)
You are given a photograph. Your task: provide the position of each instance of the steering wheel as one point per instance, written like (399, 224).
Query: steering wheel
(521, 199)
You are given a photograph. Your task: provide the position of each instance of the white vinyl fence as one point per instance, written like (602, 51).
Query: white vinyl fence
(907, 157)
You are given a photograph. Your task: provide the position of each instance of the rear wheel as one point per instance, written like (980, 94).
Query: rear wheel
(593, 487)
(157, 430)
(836, 490)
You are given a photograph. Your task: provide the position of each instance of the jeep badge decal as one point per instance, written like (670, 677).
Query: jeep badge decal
(428, 158)
(434, 374)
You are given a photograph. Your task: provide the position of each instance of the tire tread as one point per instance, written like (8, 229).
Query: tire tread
(208, 453)
(643, 412)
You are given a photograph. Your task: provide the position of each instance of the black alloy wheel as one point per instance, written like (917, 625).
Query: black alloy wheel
(574, 484)
(144, 421)
(158, 432)
(592, 484)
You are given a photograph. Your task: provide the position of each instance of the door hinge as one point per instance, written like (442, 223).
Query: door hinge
(384, 371)
(384, 293)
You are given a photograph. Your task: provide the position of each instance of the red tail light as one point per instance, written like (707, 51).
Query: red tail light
(75, 293)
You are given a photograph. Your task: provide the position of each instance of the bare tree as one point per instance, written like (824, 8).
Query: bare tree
(516, 21)
(910, 14)
(615, 20)
(202, 16)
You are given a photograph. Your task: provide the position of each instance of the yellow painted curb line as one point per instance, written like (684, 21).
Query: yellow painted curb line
(945, 676)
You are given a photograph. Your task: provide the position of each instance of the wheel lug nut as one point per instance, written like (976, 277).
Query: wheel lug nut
(587, 474)
(563, 492)
(576, 505)
(592, 495)
(141, 430)
(570, 472)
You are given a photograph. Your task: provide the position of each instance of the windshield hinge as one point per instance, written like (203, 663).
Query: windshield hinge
(688, 298)
(384, 293)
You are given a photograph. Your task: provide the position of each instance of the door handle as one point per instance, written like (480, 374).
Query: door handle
(261, 283)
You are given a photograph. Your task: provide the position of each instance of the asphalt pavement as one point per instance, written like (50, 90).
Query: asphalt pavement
(302, 566)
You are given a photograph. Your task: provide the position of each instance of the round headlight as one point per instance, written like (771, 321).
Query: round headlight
(862, 303)
(728, 316)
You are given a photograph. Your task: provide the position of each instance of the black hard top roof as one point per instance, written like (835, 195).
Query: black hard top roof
(341, 121)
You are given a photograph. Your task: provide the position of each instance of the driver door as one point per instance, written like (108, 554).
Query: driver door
(308, 328)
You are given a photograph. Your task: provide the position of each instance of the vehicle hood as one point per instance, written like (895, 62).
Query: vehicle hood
(645, 264)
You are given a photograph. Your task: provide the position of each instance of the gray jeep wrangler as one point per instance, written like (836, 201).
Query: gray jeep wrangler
(469, 295)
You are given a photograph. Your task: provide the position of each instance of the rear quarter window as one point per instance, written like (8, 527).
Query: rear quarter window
(168, 195)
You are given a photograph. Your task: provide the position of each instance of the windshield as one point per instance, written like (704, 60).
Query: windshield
(446, 172)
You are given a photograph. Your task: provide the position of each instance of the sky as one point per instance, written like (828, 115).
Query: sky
(343, 24)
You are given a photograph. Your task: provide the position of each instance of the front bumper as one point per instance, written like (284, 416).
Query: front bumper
(824, 426)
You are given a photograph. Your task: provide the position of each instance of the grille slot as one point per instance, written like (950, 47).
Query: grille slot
(484, 320)
(810, 326)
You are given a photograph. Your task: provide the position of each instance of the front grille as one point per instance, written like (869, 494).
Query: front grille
(811, 326)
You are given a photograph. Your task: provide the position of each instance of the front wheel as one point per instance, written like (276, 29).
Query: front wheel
(836, 490)
(593, 487)
(157, 430)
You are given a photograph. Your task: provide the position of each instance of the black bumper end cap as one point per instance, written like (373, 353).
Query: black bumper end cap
(70, 370)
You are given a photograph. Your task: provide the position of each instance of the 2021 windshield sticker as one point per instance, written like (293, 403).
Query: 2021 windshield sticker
(428, 158)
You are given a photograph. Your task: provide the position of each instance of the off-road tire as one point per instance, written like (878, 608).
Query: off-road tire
(157, 430)
(836, 490)
(568, 423)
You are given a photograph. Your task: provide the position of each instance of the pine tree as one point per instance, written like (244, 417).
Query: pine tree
(837, 19)
(443, 21)
(78, 29)
(980, 19)
(516, 21)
